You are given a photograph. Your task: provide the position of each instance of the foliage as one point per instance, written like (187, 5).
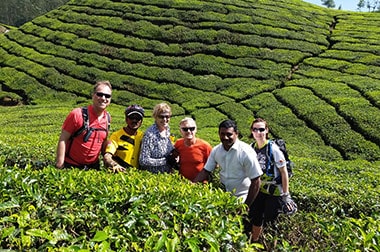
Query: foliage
(311, 72)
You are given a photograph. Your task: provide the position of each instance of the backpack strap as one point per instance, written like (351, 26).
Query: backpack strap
(84, 127)
(86, 123)
(269, 170)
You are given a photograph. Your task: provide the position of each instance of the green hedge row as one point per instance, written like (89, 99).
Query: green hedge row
(92, 210)
(349, 103)
(244, 88)
(354, 57)
(182, 34)
(367, 86)
(349, 188)
(32, 91)
(359, 47)
(333, 128)
(115, 39)
(345, 66)
(226, 11)
(283, 123)
(50, 76)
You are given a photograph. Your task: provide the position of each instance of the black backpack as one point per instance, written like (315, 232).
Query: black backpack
(270, 159)
(86, 127)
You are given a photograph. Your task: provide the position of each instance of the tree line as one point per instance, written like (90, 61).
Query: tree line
(371, 5)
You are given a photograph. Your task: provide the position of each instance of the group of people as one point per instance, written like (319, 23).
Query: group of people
(242, 166)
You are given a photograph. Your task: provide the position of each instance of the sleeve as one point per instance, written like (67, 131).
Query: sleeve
(211, 162)
(278, 156)
(73, 121)
(113, 144)
(251, 163)
(146, 152)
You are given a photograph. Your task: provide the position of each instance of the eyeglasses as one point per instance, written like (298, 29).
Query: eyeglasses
(258, 129)
(100, 94)
(134, 117)
(164, 116)
(187, 129)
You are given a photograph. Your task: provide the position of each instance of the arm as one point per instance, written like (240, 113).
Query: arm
(61, 148)
(253, 190)
(284, 179)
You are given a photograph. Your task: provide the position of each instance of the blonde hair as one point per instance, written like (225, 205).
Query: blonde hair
(161, 108)
(187, 119)
(100, 83)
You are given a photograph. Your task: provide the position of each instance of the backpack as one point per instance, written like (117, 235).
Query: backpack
(270, 159)
(86, 126)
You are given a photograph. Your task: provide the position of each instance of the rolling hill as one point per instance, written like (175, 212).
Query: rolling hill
(312, 72)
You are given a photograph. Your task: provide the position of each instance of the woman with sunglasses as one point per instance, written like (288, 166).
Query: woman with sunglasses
(156, 144)
(272, 195)
(193, 151)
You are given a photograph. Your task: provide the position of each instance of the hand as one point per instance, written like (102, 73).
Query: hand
(289, 207)
(117, 168)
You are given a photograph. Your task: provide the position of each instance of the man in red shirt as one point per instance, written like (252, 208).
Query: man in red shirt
(193, 152)
(82, 151)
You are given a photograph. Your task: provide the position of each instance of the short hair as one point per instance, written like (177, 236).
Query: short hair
(228, 124)
(161, 108)
(100, 83)
(188, 119)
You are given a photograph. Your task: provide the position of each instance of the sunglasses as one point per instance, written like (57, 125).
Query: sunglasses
(164, 116)
(134, 117)
(100, 94)
(187, 129)
(258, 129)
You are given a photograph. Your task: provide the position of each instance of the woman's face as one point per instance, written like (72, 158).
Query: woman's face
(259, 131)
(163, 119)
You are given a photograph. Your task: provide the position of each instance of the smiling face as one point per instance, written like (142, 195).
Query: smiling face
(162, 120)
(162, 113)
(228, 137)
(259, 131)
(188, 129)
(134, 121)
(101, 97)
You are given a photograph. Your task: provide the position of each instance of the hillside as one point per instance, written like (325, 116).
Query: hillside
(312, 72)
(18, 12)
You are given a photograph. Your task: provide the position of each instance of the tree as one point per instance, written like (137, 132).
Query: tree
(328, 3)
(371, 5)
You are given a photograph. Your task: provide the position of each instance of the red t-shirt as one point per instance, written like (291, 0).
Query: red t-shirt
(85, 153)
(192, 158)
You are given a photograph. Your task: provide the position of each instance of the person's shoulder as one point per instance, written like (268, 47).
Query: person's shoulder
(139, 133)
(179, 142)
(204, 144)
(217, 147)
(151, 130)
(243, 146)
(202, 141)
(118, 132)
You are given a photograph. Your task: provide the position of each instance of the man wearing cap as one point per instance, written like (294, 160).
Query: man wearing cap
(123, 148)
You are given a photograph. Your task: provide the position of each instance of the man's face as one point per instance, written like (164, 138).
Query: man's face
(101, 97)
(228, 137)
(134, 121)
(188, 130)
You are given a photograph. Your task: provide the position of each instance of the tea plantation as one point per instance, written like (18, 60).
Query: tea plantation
(313, 73)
